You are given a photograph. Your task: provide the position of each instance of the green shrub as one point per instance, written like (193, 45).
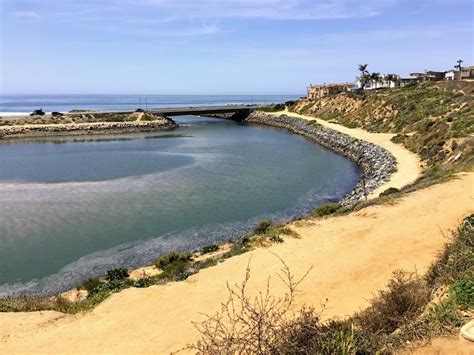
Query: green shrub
(148, 117)
(176, 270)
(117, 274)
(172, 257)
(262, 226)
(272, 108)
(209, 248)
(90, 284)
(463, 290)
(326, 209)
(145, 282)
(445, 315)
(389, 191)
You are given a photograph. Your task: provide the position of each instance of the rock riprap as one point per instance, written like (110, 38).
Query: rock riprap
(161, 123)
(376, 163)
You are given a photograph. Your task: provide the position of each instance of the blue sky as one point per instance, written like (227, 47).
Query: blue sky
(222, 47)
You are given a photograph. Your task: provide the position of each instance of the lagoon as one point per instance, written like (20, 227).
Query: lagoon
(72, 208)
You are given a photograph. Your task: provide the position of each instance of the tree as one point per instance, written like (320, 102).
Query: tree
(364, 75)
(375, 78)
(389, 78)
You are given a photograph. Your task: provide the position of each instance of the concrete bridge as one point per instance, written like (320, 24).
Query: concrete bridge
(240, 112)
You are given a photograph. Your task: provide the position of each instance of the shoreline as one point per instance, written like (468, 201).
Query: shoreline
(407, 172)
(377, 163)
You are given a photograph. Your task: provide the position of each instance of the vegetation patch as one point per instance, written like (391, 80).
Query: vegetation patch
(172, 258)
(389, 191)
(209, 248)
(327, 209)
(117, 274)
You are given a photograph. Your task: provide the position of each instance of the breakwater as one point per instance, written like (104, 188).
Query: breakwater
(37, 130)
(376, 163)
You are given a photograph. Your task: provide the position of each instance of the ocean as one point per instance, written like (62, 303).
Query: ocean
(24, 104)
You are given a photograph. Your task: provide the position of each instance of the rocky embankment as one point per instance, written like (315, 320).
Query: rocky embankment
(37, 130)
(376, 163)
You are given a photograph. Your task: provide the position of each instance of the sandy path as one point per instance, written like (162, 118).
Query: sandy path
(352, 257)
(409, 165)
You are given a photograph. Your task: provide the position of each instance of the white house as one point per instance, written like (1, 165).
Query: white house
(381, 84)
(450, 75)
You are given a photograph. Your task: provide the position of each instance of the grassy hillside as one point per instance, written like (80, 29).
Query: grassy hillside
(434, 120)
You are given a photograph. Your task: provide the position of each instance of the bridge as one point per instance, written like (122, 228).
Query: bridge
(239, 112)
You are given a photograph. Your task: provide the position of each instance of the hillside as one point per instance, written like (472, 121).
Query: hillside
(434, 120)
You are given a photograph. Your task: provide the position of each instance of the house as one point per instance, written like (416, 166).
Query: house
(450, 75)
(429, 75)
(316, 92)
(467, 72)
(380, 84)
(408, 81)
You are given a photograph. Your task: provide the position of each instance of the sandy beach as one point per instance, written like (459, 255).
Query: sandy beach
(368, 246)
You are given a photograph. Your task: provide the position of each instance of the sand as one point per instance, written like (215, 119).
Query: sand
(409, 164)
(352, 257)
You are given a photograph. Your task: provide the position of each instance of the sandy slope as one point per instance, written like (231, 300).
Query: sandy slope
(352, 257)
(408, 163)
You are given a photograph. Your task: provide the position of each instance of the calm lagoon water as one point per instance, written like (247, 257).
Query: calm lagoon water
(71, 208)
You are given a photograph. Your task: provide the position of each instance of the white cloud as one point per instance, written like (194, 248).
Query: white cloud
(31, 15)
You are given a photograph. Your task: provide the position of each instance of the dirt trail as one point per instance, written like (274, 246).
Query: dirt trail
(352, 256)
(409, 164)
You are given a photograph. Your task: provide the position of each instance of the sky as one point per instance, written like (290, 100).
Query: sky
(222, 46)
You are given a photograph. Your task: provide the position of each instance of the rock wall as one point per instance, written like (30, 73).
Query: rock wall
(38, 130)
(376, 162)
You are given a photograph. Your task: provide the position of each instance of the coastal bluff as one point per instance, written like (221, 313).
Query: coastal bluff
(376, 163)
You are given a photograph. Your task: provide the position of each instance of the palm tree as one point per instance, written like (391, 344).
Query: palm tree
(389, 78)
(364, 75)
(375, 78)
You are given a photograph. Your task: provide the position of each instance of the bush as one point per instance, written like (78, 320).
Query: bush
(117, 274)
(389, 191)
(247, 325)
(177, 270)
(90, 284)
(405, 297)
(326, 209)
(144, 282)
(209, 249)
(172, 257)
(262, 226)
(272, 108)
(445, 315)
(463, 290)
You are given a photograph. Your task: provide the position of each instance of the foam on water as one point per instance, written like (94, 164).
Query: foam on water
(128, 222)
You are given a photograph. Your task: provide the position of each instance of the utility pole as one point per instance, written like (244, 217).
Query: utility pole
(140, 102)
(146, 103)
